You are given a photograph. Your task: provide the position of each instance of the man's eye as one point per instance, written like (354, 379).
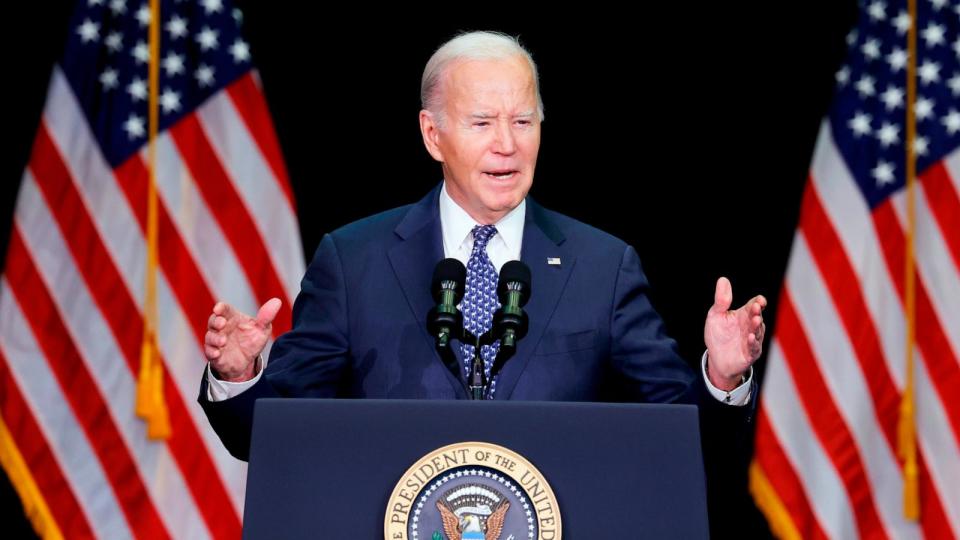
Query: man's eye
(481, 124)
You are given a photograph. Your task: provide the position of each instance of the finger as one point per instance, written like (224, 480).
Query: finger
(211, 352)
(213, 317)
(723, 296)
(268, 311)
(756, 322)
(215, 339)
(219, 323)
(223, 309)
(759, 333)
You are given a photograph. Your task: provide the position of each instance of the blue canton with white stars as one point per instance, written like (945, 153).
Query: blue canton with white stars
(107, 56)
(868, 114)
(480, 301)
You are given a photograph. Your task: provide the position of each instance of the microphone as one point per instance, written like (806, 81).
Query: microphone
(510, 322)
(444, 320)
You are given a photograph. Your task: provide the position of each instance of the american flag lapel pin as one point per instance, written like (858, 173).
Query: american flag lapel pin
(553, 261)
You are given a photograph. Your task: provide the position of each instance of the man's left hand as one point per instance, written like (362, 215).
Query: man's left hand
(734, 338)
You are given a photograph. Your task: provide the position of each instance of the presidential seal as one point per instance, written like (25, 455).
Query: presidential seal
(472, 491)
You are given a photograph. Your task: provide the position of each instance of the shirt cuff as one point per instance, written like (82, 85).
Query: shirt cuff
(219, 390)
(738, 397)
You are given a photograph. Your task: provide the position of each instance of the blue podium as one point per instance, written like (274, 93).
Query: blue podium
(436, 470)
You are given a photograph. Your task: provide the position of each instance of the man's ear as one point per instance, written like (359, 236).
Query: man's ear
(430, 130)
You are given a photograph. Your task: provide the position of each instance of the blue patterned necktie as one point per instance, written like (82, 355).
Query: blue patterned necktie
(480, 301)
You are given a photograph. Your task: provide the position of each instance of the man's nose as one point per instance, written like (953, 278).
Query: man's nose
(505, 142)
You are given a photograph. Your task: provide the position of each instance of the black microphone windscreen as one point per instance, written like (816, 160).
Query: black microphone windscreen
(449, 270)
(514, 272)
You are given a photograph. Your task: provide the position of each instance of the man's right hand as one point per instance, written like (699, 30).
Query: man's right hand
(234, 339)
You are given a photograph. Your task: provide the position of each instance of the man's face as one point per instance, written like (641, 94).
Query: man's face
(489, 140)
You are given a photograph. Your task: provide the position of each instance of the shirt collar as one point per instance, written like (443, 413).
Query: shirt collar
(457, 224)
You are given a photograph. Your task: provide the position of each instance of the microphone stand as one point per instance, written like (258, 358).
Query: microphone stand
(477, 377)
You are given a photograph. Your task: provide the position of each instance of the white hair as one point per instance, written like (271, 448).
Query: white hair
(470, 46)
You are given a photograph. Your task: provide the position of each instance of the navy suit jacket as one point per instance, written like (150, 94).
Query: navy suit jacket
(360, 323)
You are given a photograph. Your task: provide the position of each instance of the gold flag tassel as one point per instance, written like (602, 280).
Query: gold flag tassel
(768, 501)
(34, 505)
(906, 427)
(151, 405)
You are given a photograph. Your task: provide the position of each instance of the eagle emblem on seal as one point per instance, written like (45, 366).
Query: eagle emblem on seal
(473, 512)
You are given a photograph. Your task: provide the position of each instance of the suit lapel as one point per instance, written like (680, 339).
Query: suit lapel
(542, 248)
(413, 261)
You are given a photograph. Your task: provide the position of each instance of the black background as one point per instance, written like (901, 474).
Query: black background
(684, 129)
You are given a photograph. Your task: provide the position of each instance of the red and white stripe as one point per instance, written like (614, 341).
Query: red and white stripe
(827, 428)
(71, 318)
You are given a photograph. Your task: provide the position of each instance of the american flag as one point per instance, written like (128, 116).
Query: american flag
(828, 460)
(72, 292)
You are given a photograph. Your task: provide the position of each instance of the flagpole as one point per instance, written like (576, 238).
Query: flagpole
(151, 405)
(907, 425)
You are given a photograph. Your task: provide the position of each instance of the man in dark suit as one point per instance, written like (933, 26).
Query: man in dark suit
(359, 321)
